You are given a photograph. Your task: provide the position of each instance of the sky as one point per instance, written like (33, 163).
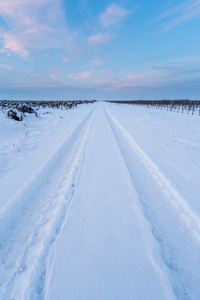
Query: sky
(97, 49)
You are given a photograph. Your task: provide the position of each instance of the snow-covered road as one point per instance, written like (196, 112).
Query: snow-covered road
(101, 220)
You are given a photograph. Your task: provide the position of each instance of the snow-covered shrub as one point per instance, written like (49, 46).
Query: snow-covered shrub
(26, 109)
(14, 114)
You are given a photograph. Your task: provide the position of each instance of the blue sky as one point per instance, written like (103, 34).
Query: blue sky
(96, 49)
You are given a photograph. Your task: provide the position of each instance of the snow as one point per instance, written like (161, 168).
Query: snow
(171, 140)
(27, 147)
(100, 202)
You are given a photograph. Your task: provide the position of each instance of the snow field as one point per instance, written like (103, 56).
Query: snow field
(108, 249)
(171, 140)
(100, 202)
(175, 225)
(39, 219)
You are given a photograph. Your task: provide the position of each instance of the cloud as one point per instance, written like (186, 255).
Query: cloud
(100, 38)
(38, 24)
(65, 59)
(180, 71)
(179, 14)
(55, 71)
(136, 76)
(12, 43)
(80, 75)
(113, 15)
(128, 80)
(96, 62)
(54, 78)
(6, 67)
(29, 72)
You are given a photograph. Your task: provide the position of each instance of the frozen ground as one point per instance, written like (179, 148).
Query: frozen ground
(100, 202)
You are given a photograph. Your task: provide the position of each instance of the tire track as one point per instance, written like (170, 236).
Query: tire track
(31, 224)
(174, 225)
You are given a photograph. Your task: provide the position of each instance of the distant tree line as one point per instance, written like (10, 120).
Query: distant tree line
(170, 105)
(16, 109)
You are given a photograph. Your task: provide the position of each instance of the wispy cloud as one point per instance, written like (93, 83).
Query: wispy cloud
(6, 66)
(138, 76)
(113, 15)
(54, 78)
(38, 24)
(179, 14)
(29, 72)
(100, 38)
(127, 80)
(65, 59)
(108, 20)
(15, 43)
(55, 71)
(96, 62)
(171, 72)
(80, 75)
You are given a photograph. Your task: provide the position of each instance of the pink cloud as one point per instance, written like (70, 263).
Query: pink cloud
(53, 70)
(54, 78)
(12, 42)
(38, 24)
(159, 75)
(6, 66)
(29, 72)
(100, 38)
(100, 80)
(140, 75)
(65, 59)
(80, 75)
(104, 71)
(96, 62)
(113, 15)
(133, 81)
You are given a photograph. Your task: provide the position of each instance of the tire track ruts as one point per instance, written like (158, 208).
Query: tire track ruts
(30, 226)
(174, 225)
